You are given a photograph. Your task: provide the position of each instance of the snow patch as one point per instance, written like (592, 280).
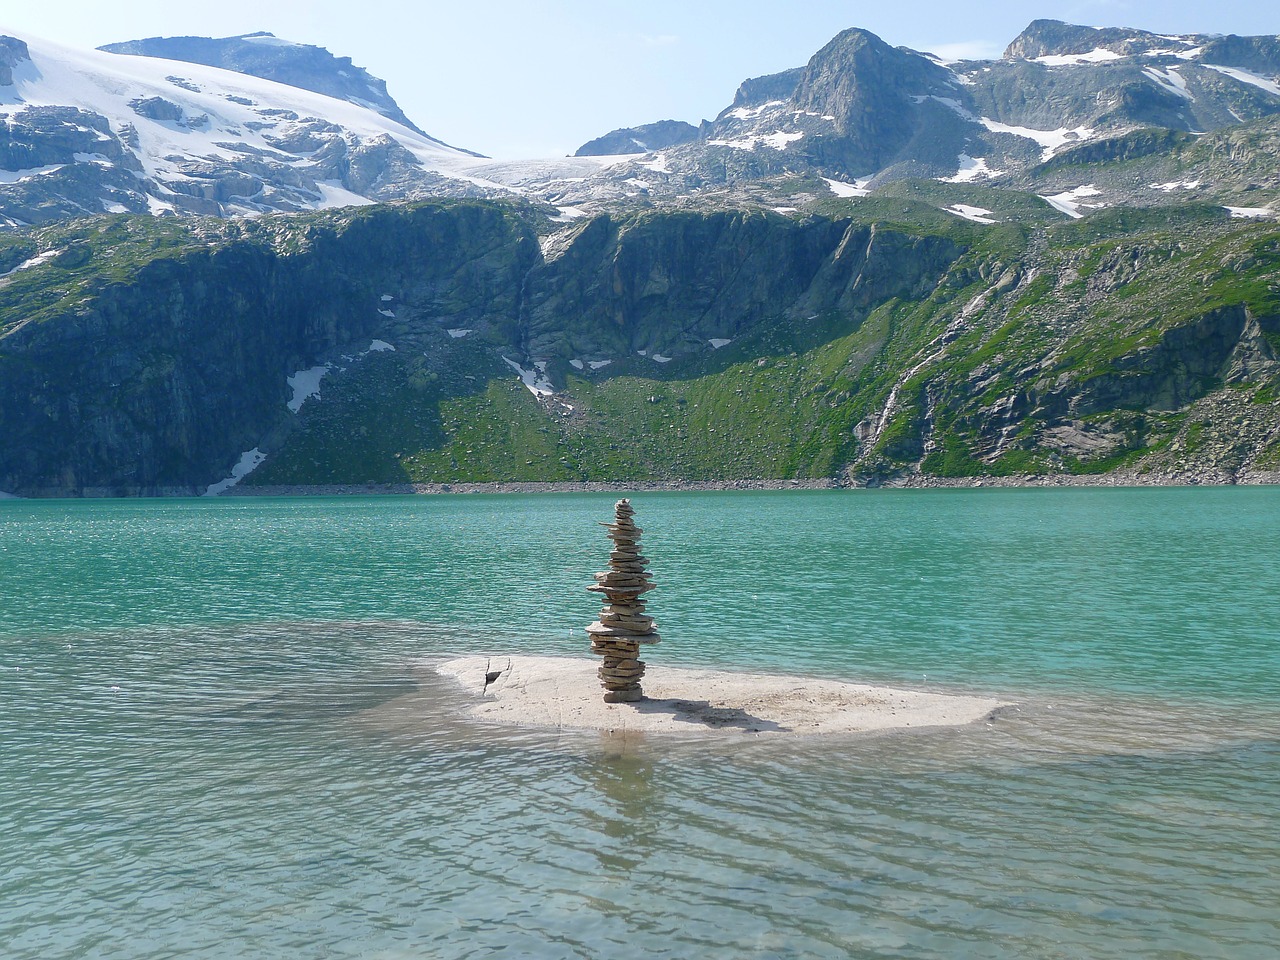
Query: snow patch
(386, 298)
(388, 313)
(841, 189)
(1069, 201)
(379, 346)
(458, 332)
(306, 384)
(718, 342)
(1169, 80)
(776, 141)
(1176, 185)
(976, 214)
(17, 176)
(536, 379)
(568, 213)
(971, 168)
(658, 164)
(1249, 213)
(1096, 55)
(597, 364)
(748, 113)
(577, 364)
(659, 358)
(334, 194)
(1244, 76)
(952, 104)
(250, 460)
(1049, 140)
(35, 261)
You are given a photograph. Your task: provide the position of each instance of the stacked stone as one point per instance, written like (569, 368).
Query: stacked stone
(623, 625)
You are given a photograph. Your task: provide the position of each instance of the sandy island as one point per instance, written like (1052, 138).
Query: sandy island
(564, 693)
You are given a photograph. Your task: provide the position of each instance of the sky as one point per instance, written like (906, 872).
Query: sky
(517, 79)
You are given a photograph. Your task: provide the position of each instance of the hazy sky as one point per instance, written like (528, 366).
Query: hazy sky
(514, 78)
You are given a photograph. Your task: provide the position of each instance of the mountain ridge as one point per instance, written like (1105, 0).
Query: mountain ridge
(877, 268)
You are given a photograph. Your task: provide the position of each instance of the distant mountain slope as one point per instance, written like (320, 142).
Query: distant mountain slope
(267, 56)
(863, 113)
(88, 132)
(645, 139)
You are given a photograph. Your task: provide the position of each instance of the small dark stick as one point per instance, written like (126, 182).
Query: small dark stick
(623, 625)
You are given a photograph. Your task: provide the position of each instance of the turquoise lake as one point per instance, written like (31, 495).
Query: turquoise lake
(218, 739)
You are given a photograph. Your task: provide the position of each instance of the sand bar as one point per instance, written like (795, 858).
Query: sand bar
(564, 693)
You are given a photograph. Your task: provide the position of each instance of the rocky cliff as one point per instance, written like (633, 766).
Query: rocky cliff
(479, 341)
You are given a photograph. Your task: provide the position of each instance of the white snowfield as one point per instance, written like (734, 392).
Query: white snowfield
(1096, 55)
(1069, 201)
(976, 214)
(249, 461)
(971, 168)
(229, 116)
(1252, 79)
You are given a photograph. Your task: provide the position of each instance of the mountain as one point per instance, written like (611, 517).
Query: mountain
(272, 58)
(644, 139)
(89, 132)
(875, 268)
(478, 340)
(863, 113)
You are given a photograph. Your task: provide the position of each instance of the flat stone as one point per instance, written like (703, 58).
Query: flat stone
(626, 528)
(623, 696)
(609, 649)
(631, 625)
(623, 579)
(599, 629)
(620, 591)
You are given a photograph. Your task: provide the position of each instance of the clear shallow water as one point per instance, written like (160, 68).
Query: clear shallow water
(214, 740)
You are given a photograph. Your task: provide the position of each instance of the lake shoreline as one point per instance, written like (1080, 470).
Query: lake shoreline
(1127, 478)
(908, 482)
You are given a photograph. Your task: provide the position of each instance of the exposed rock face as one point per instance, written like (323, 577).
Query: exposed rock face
(668, 285)
(623, 626)
(645, 139)
(761, 90)
(1044, 38)
(170, 377)
(264, 55)
(157, 108)
(12, 52)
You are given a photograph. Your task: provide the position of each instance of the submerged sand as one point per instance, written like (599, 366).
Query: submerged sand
(561, 692)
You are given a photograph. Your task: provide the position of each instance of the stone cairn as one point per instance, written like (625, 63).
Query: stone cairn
(622, 626)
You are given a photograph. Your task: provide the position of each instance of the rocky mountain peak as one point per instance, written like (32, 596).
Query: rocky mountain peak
(643, 139)
(857, 72)
(1054, 38)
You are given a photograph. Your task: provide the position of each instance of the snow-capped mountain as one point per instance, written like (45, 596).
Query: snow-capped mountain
(265, 55)
(863, 113)
(87, 132)
(1082, 117)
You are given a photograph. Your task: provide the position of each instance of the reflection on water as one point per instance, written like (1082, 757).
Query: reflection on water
(230, 776)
